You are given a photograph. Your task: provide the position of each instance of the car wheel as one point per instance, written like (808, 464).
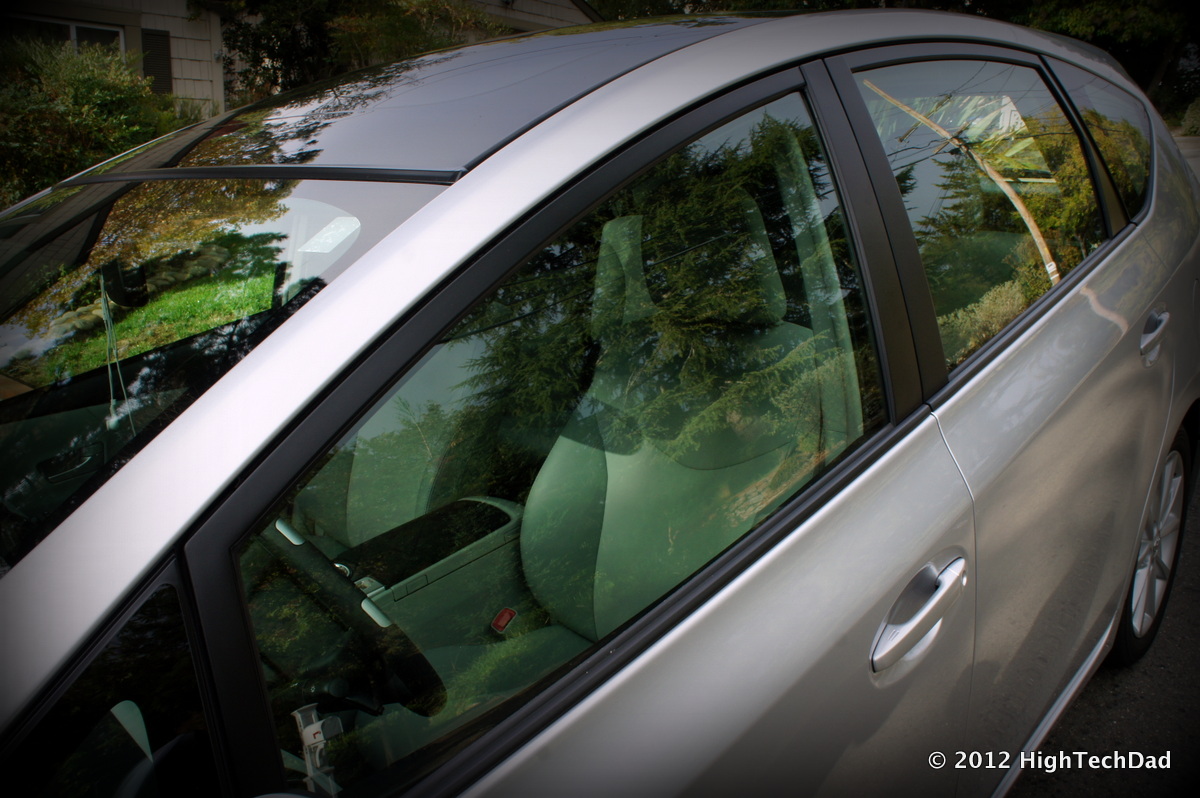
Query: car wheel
(1157, 557)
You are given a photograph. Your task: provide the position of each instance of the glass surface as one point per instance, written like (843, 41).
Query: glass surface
(130, 725)
(120, 304)
(629, 403)
(995, 184)
(105, 37)
(1120, 126)
(397, 115)
(41, 29)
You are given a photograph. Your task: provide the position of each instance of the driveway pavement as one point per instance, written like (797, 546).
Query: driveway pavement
(1190, 146)
(1151, 707)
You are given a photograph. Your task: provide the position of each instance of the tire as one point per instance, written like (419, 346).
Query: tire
(1157, 557)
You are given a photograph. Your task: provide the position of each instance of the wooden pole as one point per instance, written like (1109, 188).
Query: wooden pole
(1038, 239)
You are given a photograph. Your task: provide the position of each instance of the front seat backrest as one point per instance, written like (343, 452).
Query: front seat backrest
(694, 403)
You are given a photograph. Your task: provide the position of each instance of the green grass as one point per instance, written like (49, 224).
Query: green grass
(171, 315)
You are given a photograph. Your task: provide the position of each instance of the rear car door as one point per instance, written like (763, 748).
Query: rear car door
(662, 494)
(1052, 319)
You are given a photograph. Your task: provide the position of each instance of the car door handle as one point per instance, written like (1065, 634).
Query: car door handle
(897, 639)
(1152, 334)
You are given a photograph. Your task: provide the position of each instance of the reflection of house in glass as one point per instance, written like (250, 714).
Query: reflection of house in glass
(1005, 118)
(180, 52)
(182, 46)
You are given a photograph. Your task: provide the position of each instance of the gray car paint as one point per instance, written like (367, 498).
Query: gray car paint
(804, 714)
(818, 622)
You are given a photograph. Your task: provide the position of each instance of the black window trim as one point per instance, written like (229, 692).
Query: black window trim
(943, 383)
(901, 301)
(1112, 208)
(167, 573)
(1118, 214)
(209, 550)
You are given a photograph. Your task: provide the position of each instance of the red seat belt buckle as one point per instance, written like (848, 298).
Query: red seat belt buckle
(503, 619)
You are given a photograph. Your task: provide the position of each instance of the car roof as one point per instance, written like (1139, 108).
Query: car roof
(435, 115)
(432, 118)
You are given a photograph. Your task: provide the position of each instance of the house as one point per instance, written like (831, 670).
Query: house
(182, 49)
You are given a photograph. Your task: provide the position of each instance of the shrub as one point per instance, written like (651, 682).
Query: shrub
(1191, 119)
(968, 328)
(67, 109)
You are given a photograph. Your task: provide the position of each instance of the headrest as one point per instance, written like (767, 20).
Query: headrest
(717, 270)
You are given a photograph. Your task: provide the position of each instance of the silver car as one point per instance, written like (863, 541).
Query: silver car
(706, 406)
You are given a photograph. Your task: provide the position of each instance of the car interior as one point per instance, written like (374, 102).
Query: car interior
(107, 346)
(505, 548)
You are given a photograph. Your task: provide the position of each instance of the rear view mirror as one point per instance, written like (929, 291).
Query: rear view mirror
(125, 284)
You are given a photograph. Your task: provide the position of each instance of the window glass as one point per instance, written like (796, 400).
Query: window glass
(104, 37)
(995, 184)
(57, 31)
(41, 29)
(1120, 126)
(631, 401)
(120, 304)
(130, 725)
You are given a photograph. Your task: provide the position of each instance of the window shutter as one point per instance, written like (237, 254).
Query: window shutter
(156, 59)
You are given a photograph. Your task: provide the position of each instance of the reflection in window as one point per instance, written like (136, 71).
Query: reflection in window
(630, 402)
(995, 184)
(1120, 126)
(131, 724)
(53, 30)
(120, 303)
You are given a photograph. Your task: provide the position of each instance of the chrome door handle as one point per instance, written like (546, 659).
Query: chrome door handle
(897, 639)
(1152, 335)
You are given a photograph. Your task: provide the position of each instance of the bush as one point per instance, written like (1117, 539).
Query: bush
(275, 45)
(67, 109)
(1191, 120)
(966, 329)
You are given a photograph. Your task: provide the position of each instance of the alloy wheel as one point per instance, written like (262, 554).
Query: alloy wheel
(1156, 550)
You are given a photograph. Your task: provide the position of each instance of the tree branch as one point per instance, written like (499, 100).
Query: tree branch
(1019, 204)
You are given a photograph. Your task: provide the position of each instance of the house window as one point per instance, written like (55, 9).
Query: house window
(65, 31)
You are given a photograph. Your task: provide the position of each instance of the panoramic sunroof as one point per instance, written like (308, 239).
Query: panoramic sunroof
(443, 111)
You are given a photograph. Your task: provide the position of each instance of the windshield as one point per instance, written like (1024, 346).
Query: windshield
(120, 303)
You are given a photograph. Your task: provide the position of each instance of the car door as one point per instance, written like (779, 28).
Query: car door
(1050, 316)
(648, 482)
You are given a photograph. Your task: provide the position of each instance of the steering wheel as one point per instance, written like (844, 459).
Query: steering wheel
(396, 670)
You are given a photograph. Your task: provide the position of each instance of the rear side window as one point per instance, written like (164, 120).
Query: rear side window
(997, 190)
(636, 397)
(1118, 123)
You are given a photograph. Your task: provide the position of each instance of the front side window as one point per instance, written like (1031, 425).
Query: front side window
(120, 304)
(625, 406)
(995, 184)
(130, 725)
